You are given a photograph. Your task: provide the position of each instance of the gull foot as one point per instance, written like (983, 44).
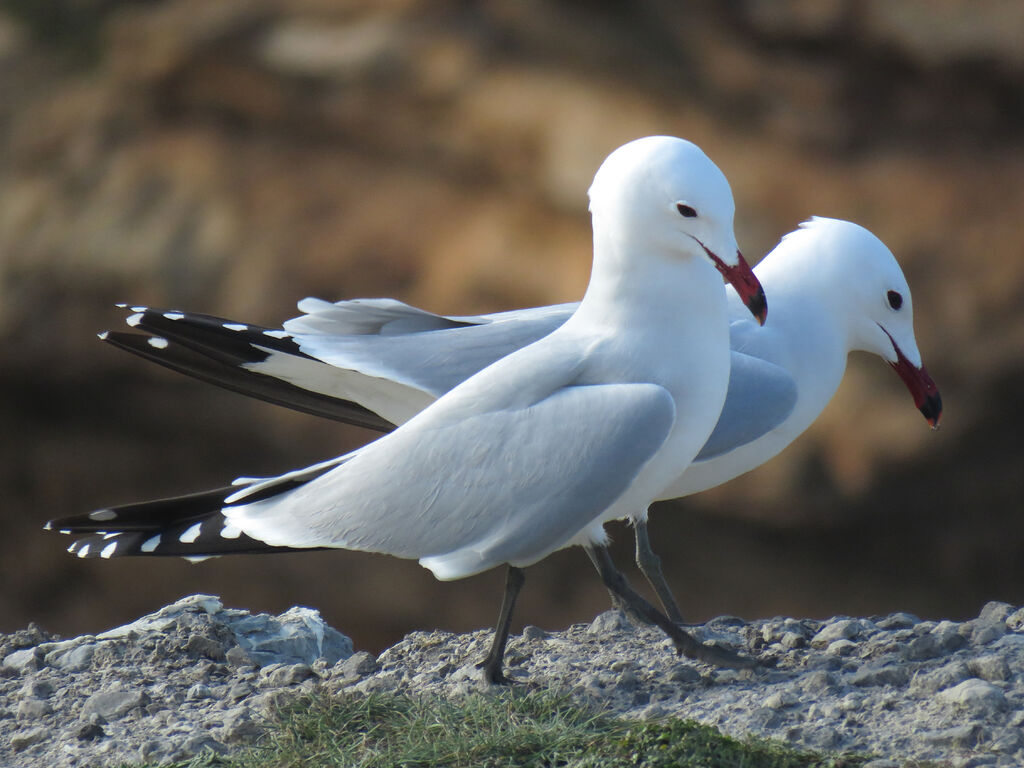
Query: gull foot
(715, 655)
(493, 673)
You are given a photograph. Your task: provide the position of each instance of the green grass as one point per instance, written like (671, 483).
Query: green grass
(508, 729)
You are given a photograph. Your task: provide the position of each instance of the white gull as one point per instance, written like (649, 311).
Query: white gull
(835, 288)
(538, 450)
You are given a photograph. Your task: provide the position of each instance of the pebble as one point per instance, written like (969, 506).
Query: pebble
(838, 629)
(33, 709)
(993, 668)
(975, 694)
(24, 660)
(199, 691)
(960, 736)
(73, 659)
(996, 611)
(284, 675)
(610, 622)
(985, 632)
(949, 635)
(924, 647)
(531, 632)
(111, 705)
(239, 726)
(1015, 620)
(196, 676)
(355, 667)
(684, 674)
(898, 621)
(23, 739)
(36, 689)
(89, 732)
(820, 681)
(945, 676)
(239, 690)
(791, 640)
(781, 700)
(871, 675)
(841, 647)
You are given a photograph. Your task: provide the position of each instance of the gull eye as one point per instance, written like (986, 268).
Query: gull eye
(895, 300)
(686, 211)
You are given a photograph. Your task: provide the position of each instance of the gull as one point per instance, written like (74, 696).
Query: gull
(538, 450)
(835, 288)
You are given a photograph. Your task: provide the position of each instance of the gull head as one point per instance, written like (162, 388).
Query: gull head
(877, 301)
(664, 197)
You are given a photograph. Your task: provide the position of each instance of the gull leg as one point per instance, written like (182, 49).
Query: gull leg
(650, 566)
(492, 665)
(618, 604)
(684, 642)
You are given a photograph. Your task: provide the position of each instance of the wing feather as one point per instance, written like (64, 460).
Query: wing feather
(761, 396)
(509, 485)
(434, 361)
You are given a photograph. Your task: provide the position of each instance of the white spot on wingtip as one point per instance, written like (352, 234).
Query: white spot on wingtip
(157, 342)
(65, 531)
(236, 326)
(83, 552)
(121, 305)
(150, 544)
(108, 550)
(198, 558)
(191, 534)
(111, 534)
(102, 336)
(277, 334)
(103, 515)
(140, 309)
(230, 530)
(48, 526)
(133, 320)
(174, 316)
(237, 495)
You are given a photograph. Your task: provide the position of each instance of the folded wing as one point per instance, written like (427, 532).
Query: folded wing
(507, 485)
(381, 360)
(761, 396)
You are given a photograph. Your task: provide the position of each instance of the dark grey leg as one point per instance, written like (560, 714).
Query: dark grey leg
(492, 665)
(684, 642)
(650, 566)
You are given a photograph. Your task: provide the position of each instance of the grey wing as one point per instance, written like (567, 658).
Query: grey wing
(760, 397)
(465, 493)
(431, 361)
(390, 317)
(369, 317)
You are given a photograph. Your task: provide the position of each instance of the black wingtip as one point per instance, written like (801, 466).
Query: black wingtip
(233, 377)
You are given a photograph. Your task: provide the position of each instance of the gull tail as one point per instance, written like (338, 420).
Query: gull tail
(193, 526)
(230, 354)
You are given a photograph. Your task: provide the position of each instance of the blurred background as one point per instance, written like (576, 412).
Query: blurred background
(234, 157)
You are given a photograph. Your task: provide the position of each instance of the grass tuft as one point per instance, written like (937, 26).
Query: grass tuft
(510, 728)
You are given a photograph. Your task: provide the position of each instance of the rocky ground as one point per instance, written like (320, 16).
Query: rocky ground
(232, 158)
(196, 676)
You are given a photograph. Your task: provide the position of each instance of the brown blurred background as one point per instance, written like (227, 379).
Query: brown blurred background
(233, 157)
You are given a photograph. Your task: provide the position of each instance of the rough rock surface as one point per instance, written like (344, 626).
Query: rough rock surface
(191, 676)
(234, 157)
(197, 676)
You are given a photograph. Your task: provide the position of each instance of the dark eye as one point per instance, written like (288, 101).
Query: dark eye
(895, 300)
(686, 210)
